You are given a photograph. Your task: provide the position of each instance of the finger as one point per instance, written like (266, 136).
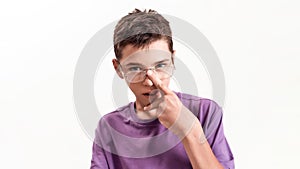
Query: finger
(155, 94)
(160, 109)
(157, 82)
(154, 104)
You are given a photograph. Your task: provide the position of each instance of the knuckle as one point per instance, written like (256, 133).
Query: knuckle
(159, 85)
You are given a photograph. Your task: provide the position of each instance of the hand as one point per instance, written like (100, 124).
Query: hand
(170, 111)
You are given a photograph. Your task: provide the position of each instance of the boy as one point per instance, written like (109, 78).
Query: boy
(162, 129)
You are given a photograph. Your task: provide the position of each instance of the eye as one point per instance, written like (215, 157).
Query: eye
(160, 65)
(134, 69)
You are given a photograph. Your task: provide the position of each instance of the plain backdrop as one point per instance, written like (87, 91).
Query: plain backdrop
(257, 43)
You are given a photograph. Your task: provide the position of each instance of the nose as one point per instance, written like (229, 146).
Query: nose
(147, 82)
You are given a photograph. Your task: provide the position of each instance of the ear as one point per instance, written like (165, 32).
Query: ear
(116, 65)
(173, 56)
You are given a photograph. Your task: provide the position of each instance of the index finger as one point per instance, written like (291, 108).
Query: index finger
(157, 82)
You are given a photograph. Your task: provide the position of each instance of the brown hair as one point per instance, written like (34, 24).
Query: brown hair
(140, 29)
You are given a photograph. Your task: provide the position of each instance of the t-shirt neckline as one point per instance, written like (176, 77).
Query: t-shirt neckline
(138, 120)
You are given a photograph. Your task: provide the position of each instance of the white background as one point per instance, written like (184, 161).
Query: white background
(40, 41)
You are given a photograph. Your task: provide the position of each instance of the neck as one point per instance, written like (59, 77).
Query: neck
(141, 114)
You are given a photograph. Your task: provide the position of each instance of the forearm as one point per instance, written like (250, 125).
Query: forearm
(199, 151)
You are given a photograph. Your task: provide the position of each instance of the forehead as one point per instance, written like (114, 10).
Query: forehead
(147, 57)
(156, 51)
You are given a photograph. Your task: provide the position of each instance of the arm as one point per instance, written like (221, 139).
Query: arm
(98, 158)
(198, 150)
(182, 122)
(188, 128)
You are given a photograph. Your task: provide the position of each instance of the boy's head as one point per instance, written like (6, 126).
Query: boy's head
(140, 29)
(143, 42)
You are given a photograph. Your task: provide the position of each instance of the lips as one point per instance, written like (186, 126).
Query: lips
(146, 94)
(151, 93)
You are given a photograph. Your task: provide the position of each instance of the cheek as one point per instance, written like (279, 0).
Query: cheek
(166, 82)
(133, 87)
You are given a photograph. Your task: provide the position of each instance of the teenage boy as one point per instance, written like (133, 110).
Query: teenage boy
(162, 129)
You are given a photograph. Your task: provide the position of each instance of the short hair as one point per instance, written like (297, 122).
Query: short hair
(140, 29)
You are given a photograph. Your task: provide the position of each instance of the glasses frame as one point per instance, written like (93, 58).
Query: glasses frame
(144, 71)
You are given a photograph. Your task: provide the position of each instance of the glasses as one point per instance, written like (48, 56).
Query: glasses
(137, 73)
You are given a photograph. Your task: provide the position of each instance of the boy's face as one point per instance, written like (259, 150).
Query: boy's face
(155, 56)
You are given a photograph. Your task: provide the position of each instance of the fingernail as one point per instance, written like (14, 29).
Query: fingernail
(149, 72)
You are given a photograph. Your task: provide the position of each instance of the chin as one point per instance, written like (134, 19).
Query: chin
(143, 102)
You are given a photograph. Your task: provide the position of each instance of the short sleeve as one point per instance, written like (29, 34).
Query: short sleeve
(99, 159)
(213, 128)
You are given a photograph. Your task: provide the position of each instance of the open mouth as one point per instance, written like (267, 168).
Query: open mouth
(152, 93)
(147, 94)
(152, 96)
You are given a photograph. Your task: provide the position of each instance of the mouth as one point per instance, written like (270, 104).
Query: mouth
(147, 94)
(152, 93)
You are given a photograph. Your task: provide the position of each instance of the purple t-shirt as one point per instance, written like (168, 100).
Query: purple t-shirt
(123, 141)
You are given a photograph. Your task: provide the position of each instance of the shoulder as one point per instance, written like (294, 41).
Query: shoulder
(201, 107)
(120, 114)
(189, 99)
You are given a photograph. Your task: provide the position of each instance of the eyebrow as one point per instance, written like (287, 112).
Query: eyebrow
(134, 64)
